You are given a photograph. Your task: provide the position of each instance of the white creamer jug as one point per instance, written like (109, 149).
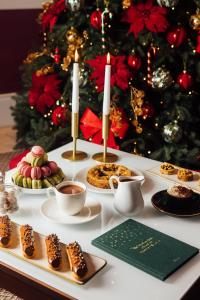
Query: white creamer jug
(128, 197)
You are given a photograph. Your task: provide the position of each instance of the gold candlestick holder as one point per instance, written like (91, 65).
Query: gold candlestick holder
(106, 157)
(73, 154)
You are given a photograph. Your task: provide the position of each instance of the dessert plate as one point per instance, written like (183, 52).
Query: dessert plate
(177, 207)
(82, 176)
(50, 211)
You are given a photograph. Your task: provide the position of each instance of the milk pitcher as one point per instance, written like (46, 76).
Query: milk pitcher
(128, 199)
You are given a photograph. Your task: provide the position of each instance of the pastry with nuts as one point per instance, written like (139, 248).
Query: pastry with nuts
(27, 240)
(185, 175)
(77, 262)
(5, 231)
(167, 168)
(53, 251)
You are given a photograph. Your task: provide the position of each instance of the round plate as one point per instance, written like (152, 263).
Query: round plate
(177, 207)
(50, 211)
(82, 176)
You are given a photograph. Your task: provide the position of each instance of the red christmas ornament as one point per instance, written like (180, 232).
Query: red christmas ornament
(134, 62)
(184, 80)
(147, 111)
(59, 116)
(176, 36)
(95, 19)
(57, 56)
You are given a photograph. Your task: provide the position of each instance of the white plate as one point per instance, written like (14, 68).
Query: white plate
(82, 176)
(50, 211)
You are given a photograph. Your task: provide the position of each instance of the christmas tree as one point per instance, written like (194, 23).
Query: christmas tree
(154, 47)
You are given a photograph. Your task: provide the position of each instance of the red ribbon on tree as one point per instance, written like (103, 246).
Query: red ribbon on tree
(91, 127)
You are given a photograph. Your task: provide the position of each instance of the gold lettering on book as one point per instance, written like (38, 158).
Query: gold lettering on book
(145, 245)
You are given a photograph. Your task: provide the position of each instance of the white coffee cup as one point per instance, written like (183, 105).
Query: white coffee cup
(69, 204)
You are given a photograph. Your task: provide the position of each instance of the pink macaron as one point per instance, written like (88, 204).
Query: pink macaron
(53, 166)
(21, 164)
(46, 171)
(26, 171)
(36, 173)
(37, 151)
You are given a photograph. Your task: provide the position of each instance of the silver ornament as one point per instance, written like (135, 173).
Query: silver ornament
(168, 3)
(161, 78)
(172, 132)
(74, 4)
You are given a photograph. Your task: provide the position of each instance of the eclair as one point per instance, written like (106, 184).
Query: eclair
(5, 231)
(76, 260)
(53, 251)
(27, 240)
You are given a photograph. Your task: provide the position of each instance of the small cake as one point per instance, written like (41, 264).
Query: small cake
(99, 175)
(167, 168)
(185, 175)
(180, 191)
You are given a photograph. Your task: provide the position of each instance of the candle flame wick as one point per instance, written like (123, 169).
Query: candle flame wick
(108, 58)
(76, 56)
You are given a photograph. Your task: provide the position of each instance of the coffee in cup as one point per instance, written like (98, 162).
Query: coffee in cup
(70, 196)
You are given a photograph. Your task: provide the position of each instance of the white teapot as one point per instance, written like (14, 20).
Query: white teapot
(128, 197)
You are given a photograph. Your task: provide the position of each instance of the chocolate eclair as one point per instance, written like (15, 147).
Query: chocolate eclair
(5, 231)
(76, 260)
(27, 240)
(53, 251)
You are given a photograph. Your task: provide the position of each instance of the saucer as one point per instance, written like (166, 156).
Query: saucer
(50, 211)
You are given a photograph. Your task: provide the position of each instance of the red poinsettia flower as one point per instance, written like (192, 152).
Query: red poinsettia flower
(44, 92)
(50, 16)
(146, 15)
(119, 71)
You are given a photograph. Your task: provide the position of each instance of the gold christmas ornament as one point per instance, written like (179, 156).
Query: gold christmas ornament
(137, 100)
(75, 42)
(195, 20)
(126, 4)
(33, 55)
(44, 70)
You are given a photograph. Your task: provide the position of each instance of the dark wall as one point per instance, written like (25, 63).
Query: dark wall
(19, 33)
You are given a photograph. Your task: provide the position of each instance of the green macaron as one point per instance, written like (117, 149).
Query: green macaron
(51, 180)
(19, 180)
(14, 176)
(36, 184)
(60, 173)
(37, 162)
(46, 183)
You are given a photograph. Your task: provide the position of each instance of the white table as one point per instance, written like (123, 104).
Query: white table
(118, 280)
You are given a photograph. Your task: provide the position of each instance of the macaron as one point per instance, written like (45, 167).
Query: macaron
(29, 157)
(60, 173)
(37, 151)
(19, 180)
(51, 180)
(26, 171)
(27, 182)
(37, 161)
(36, 184)
(36, 173)
(46, 183)
(20, 165)
(56, 178)
(46, 171)
(53, 166)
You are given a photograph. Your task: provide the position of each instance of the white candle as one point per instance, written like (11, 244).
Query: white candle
(75, 85)
(106, 96)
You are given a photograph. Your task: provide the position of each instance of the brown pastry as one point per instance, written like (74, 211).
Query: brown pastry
(53, 251)
(76, 260)
(100, 174)
(185, 175)
(180, 192)
(27, 240)
(5, 231)
(167, 168)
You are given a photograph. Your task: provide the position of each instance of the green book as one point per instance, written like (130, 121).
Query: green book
(145, 248)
